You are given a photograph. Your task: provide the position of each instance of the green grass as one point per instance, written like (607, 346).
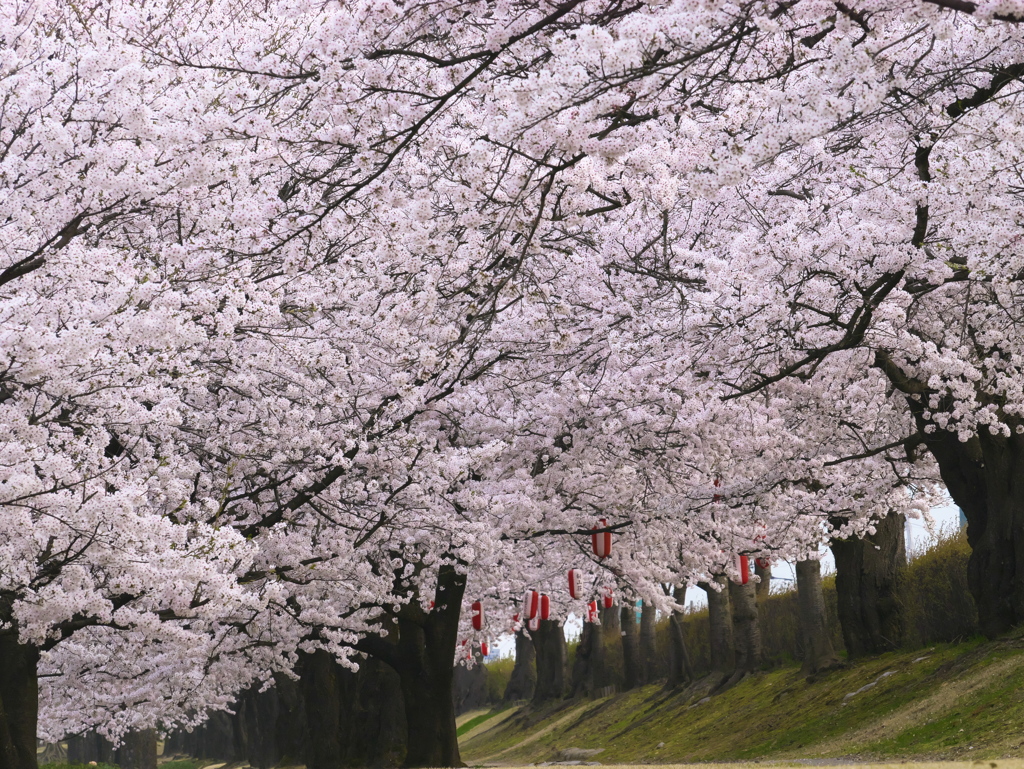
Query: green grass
(779, 714)
(78, 766)
(184, 763)
(474, 722)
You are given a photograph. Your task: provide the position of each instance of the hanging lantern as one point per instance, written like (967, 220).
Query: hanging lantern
(575, 583)
(592, 611)
(431, 606)
(483, 648)
(759, 540)
(608, 596)
(534, 624)
(742, 565)
(602, 541)
(531, 604)
(717, 497)
(545, 607)
(478, 615)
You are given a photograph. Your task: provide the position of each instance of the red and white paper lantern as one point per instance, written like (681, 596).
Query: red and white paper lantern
(608, 597)
(592, 611)
(601, 542)
(478, 615)
(531, 604)
(545, 607)
(742, 565)
(483, 648)
(575, 583)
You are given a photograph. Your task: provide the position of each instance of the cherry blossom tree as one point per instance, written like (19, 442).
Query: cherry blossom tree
(337, 311)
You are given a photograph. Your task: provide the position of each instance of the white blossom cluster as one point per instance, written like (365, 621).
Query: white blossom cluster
(301, 301)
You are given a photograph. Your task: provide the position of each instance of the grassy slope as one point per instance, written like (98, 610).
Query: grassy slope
(962, 701)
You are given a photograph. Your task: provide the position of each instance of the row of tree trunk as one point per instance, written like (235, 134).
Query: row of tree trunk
(617, 655)
(331, 717)
(402, 711)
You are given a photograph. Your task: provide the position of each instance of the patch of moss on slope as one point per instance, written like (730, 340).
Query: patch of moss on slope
(984, 723)
(779, 714)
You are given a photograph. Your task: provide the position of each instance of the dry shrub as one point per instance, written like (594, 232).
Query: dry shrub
(498, 674)
(936, 604)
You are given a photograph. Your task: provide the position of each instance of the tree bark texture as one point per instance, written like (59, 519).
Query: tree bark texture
(680, 667)
(815, 637)
(985, 477)
(589, 660)
(868, 572)
(609, 672)
(422, 657)
(764, 587)
(354, 718)
(320, 679)
(552, 657)
(523, 681)
(632, 669)
(746, 627)
(19, 702)
(270, 726)
(91, 746)
(720, 632)
(650, 663)
(137, 750)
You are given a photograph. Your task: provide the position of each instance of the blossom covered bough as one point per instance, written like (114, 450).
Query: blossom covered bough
(315, 314)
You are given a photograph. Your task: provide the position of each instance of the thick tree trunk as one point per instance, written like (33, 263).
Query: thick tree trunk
(985, 477)
(430, 717)
(322, 691)
(764, 587)
(589, 660)
(422, 656)
(552, 657)
(83, 748)
(868, 572)
(817, 641)
(290, 726)
(681, 669)
(720, 633)
(609, 672)
(259, 716)
(523, 681)
(746, 628)
(376, 734)
(650, 666)
(632, 670)
(137, 750)
(19, 703)
(427, 674)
